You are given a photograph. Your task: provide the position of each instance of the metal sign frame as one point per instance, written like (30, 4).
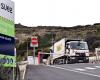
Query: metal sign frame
(35, 39)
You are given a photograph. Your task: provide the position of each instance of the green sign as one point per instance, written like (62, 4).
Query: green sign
(7, 34)
(7, 27)
(7, 61)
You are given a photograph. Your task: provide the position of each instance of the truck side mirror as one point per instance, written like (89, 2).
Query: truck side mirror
(67, 46)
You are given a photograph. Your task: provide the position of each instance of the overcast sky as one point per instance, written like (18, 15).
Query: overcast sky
(57, 12)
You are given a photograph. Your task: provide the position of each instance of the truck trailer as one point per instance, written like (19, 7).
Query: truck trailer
(69, 51)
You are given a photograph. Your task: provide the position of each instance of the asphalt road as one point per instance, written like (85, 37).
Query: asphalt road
(79, 71)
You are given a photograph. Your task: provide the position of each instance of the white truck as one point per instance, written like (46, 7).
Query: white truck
(69, 51)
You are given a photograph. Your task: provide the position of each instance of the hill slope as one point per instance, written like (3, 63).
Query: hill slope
(90, 33)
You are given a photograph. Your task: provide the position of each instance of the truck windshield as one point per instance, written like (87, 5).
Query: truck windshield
(79, 45)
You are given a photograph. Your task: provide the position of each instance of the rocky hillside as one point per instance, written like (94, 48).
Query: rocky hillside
(23, 32)
(90, 33)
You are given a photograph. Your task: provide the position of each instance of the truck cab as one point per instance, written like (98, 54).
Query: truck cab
(77, 51)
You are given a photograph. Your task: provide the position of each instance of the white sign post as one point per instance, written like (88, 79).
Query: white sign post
(34, 43)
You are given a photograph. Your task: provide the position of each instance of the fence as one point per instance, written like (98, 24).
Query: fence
(95, 58)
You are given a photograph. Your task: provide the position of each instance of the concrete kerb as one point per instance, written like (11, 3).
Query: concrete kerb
(22, 67)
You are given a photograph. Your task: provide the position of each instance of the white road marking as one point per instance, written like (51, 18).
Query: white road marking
(79, 69)
(86, 68)
(97, 66)
(89, 68)
(74, 71)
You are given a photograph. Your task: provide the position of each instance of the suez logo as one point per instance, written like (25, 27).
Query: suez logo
(6, 8)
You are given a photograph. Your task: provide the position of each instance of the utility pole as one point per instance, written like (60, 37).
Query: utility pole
(34, 54)
(27, 52)
(53, 40)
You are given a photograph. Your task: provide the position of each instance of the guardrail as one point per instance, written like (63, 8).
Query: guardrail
(94, 59)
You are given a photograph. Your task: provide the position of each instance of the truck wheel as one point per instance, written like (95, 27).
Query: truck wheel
(67, 61)
(54, 62)
(64, 61)
(87, 61)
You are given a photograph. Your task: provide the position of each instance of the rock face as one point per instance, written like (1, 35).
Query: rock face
(44, 32)
(23, 32)
(89, 33)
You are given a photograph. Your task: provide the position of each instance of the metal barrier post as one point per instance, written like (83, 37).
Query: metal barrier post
(39, 57)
